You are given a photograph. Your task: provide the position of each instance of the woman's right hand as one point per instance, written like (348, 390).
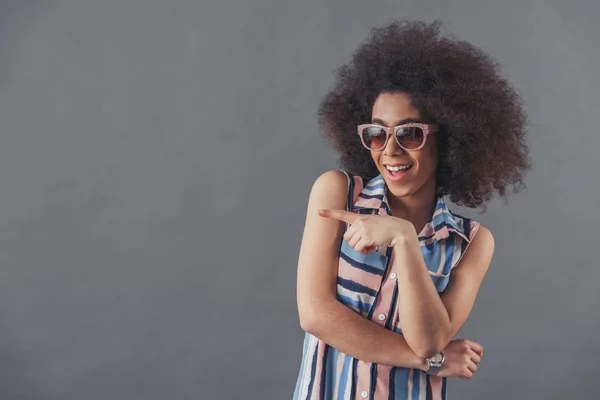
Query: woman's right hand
(462, 357)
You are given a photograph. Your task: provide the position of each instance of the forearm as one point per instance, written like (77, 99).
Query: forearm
(425, 321)
(352, 334)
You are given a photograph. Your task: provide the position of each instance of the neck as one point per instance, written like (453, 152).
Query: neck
(416, 208)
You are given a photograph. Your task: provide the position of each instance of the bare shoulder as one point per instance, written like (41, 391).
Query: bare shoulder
(332, 181)
(329, 190)
(479, 253)
(484, 239)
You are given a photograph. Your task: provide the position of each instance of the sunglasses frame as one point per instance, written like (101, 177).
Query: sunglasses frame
(426, 128)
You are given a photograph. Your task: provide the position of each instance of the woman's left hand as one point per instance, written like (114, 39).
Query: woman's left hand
(366, 231)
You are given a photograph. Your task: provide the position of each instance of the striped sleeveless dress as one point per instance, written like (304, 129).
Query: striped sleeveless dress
(366, 285)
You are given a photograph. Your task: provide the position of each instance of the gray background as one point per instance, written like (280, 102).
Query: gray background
(155, 163)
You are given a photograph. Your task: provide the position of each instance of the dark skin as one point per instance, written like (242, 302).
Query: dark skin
(431, 321)
(413, 199)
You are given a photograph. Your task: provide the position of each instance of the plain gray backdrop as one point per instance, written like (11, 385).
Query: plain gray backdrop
(155, 164)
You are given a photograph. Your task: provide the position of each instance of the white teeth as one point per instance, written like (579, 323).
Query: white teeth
(398, 168)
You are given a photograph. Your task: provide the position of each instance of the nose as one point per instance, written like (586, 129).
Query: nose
(392, 147)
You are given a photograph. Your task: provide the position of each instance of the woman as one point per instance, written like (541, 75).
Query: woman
(387, 274)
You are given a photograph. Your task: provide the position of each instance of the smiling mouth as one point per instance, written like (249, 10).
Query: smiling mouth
(398, 168)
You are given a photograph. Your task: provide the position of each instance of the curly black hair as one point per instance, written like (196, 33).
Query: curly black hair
(482, 138)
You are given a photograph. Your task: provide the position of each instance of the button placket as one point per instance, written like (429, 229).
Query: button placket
(386, 291)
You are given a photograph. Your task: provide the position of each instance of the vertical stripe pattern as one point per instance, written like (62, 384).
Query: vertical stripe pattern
(365, 286)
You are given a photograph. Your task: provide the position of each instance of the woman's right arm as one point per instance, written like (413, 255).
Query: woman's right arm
(321, 314)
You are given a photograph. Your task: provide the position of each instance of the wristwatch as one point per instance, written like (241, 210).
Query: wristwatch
(435, 363)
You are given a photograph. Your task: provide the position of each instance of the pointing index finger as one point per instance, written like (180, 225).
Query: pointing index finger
(340, 215)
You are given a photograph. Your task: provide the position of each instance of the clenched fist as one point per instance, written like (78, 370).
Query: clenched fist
(462, 357)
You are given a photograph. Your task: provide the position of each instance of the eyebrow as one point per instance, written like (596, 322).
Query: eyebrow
(404, 121)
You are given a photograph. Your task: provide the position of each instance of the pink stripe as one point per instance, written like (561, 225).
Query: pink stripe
(436, 387)
(382, 390)
(474, 228)
(385, 297)
(339, 364)
(426, 242)
(427, 230)
(347, 271)
(363, 375)
(367, 203)
(442, 233)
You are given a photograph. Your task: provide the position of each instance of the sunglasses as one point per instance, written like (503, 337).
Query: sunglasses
(410, 137)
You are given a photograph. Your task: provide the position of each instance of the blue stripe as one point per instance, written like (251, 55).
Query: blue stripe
(354, 378)
(363, 307)
(344, 377)
(440, 225)
(373, 388)
(388, 323)
(373, 186)
(449, 254)
(370, 268)
(371, 196)
(467, 227)
(401, 384)
(301, 375)
(323, 373)
(422, 238)
(416, 390)
(312, 373)
(444, 387)
(356, 287)
(429, 394)
(366, 210)
(433, 258)
(392, 385)
(350, 199)
(440, 282)
(373, 259)
(330, 379)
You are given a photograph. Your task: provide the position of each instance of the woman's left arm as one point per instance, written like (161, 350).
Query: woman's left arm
(430, 320)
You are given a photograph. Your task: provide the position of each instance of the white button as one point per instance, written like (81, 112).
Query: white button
(364, 395)
(393, 275)
(381, 317)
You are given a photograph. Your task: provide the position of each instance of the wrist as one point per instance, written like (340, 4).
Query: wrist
(406, 238)
(423, 365)
(435, 364)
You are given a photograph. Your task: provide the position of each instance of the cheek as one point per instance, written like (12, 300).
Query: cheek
(375, 157)
(427, 161)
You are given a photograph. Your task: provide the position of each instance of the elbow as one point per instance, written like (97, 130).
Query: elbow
(309, 320)
(424, 352)
(315, 317)
(429, 347)
(306, 322)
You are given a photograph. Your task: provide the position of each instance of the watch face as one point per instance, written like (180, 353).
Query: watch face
(437, 358)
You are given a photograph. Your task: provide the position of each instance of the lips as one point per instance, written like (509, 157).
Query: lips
(398, 167)
(396, 172)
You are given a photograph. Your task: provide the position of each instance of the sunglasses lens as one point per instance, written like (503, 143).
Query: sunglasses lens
(410, 138)
(374, 137)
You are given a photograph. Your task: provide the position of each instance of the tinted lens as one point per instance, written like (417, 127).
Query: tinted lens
(410, 138)
(374, 137)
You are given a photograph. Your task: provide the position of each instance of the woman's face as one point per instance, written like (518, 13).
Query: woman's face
(393, 110)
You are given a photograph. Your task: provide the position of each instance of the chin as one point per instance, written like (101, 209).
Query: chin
(400, 191)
